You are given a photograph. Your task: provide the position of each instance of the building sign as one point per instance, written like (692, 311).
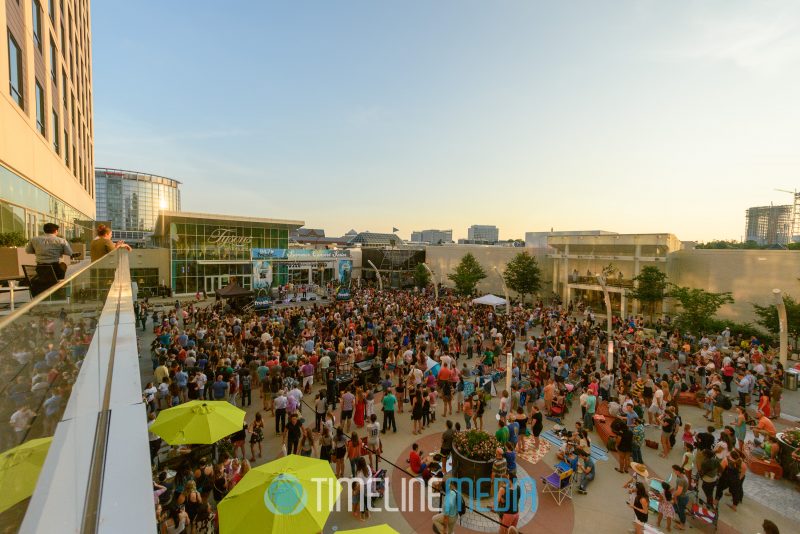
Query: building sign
(226, 236)
(300, 254)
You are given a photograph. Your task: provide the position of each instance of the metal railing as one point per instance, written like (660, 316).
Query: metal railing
(70, 373)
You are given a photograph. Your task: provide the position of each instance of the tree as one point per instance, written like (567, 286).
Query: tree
(421, 276)
(698, 307)
(522, 274)
(768, 317)
(650, 288)
(467, 275)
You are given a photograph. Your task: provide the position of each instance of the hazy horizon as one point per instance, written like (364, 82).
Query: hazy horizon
(636, 116)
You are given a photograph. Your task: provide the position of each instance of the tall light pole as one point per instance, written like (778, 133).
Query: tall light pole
(602, 281)
(783, 332)
(435, 285)
(510, 355)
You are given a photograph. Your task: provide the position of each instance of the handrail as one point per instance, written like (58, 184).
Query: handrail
(95, 478)
(11, 317)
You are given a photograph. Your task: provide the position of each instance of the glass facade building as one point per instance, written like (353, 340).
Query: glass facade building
(25, 208)
(207, 250)
(130, 201)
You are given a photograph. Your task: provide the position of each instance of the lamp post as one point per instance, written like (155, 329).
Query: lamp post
(784, 331)
(607, 298)
(510, 355)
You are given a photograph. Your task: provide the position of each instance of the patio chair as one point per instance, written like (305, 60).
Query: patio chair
(559, 485)
(39, 278)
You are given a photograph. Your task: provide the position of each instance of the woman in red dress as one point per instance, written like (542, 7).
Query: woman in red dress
(360, 409)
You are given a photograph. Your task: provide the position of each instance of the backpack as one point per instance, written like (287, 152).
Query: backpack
(460, 504)
(725, 402)
(246, 382)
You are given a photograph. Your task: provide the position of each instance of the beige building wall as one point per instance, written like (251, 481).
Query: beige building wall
(444, 259)
(69, 173)
(750, 275)
(152, 258)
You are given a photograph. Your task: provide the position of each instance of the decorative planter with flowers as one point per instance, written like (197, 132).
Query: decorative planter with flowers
(473, 456)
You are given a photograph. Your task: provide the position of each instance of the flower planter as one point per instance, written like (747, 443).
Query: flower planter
(474, 470)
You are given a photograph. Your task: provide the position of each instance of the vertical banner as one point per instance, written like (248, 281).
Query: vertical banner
(345, 271)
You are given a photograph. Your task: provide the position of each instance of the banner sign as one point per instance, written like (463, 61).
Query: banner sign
(297, 254)
(344, 271)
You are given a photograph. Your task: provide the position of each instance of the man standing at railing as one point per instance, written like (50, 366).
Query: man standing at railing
(48, 249)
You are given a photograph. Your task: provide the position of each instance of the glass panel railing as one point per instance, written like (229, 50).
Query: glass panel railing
(42, 348)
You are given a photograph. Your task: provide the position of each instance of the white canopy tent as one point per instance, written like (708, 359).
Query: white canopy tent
(490, 300)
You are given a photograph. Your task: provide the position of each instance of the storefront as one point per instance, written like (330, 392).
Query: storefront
(207, 250)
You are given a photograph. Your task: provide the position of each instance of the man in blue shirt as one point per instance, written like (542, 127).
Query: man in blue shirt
(220, 388)
(445, 522)
(511, 461)
(182, 380)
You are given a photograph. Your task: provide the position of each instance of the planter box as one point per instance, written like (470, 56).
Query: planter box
(79, 248)
(12, 259)
(474, 470)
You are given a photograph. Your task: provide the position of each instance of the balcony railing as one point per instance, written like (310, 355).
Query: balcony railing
(69, 375)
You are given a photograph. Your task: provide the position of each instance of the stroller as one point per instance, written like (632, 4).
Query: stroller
(378, 485)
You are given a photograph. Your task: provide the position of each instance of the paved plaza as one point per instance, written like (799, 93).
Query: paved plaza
(602, 510)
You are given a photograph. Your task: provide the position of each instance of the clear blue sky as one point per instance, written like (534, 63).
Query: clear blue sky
(630, 116)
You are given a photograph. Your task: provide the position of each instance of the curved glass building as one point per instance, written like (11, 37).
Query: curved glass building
(131, 200)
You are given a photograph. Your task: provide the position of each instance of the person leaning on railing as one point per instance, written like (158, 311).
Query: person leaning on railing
(102, 244)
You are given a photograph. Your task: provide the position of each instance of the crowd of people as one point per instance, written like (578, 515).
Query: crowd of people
(558, 357)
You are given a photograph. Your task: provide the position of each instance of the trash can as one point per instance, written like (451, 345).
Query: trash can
(790, 380)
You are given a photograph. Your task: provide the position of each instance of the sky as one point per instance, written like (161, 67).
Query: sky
(626, 116)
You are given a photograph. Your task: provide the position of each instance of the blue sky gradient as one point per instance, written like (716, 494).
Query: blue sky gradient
(630, 116)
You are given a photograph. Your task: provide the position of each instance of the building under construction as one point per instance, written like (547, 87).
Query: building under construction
(772, 225)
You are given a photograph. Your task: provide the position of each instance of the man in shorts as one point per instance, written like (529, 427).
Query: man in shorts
(348, 401)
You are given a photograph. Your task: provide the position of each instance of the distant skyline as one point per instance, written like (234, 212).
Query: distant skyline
(630, 116)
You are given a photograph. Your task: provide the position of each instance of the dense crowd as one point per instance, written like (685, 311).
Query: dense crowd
(558, 357)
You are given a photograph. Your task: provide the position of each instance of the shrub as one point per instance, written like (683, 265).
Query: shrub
(476, 445)
(12, 239)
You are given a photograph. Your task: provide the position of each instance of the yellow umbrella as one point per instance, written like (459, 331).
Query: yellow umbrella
(19, 471)
(294, 494)
(198, 422)
(377, 529)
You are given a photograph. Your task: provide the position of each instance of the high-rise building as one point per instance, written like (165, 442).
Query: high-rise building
(434, 237)
(479, 233)
(46, 122)
(770, 225)
(131, 201)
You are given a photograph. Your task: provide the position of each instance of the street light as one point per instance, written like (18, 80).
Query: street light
(783, 330)
(602, 281)
(510, 355)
